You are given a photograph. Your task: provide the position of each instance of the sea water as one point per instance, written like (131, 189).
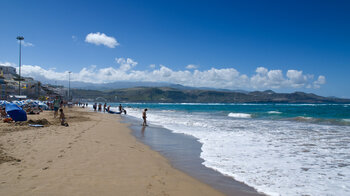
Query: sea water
(279, 149)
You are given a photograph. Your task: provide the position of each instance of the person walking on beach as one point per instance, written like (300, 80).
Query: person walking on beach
(56, 106)
(99, 107)
(144, 117)
(95, 106)
(120, 108)
(104, 107)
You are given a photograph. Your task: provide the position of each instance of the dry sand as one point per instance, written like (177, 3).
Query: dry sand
(95, 155)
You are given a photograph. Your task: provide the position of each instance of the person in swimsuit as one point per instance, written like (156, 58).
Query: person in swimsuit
(144, 116)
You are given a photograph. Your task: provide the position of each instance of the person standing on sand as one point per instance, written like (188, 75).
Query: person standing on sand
(56, 106)
(104, 107)
(144, 117)
(99, 107)
(95, 106)
(120, 108)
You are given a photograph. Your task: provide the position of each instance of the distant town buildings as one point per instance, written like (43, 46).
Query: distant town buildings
(31, 88)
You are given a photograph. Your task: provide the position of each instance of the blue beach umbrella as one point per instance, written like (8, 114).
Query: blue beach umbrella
(19, 103)
(15, 112)
(42, 105)
(3, 103)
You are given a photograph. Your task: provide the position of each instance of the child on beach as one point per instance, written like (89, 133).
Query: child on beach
(3, 113)
(144, 117)
(63, 118)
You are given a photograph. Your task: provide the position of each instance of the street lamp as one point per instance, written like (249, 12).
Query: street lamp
(20, 38)
(69, 85)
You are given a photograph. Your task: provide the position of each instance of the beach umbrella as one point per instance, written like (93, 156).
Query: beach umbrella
(43, 105)
(15, 112)
(19, 103)
(3, 102)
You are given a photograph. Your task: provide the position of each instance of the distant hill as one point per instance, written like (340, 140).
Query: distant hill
(176, 95)
(122, 85)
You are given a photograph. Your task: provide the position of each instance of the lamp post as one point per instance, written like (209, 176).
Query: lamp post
(20, 38)
(69, 85)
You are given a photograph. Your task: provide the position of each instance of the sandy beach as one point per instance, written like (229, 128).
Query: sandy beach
(95, 155)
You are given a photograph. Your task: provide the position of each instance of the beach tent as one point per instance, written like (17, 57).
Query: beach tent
(15, 112)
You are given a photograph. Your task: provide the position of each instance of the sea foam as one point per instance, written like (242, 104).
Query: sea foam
(239, 115)
(274, 112)
(275, 157)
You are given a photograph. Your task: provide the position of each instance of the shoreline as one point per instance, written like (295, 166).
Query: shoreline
(183, 152)
(95, 155)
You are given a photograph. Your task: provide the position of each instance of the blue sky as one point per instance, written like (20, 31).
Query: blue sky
(285, 46)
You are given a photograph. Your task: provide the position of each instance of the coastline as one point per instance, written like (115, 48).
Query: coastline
(95, 155)
(183, 152)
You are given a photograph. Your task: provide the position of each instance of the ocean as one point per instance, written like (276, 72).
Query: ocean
(278, 149)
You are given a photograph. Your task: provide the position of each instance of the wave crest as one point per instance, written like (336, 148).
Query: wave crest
(239, 115)
(274, 112)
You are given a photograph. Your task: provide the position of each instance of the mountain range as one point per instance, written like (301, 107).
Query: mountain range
(175, 95)
(171, 93)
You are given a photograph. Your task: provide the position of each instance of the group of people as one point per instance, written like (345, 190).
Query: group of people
(32, 110)
(83, 105)
(98, 107)
(29, 109)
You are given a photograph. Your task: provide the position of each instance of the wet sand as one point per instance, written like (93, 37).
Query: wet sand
(95, 155)
(183, 152)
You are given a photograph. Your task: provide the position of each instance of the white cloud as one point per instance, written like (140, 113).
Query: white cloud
(101, 38)
(9, 64)
(267, 79)
(152, 66)
(320, 80)
(74, 38)
(36, 71)
(228, 78)
(191, 66)
(125, 64)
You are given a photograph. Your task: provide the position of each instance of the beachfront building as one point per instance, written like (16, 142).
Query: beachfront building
(7, 70)
(9, 84)
(5, 89)
(53, 90)
(31, 88)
